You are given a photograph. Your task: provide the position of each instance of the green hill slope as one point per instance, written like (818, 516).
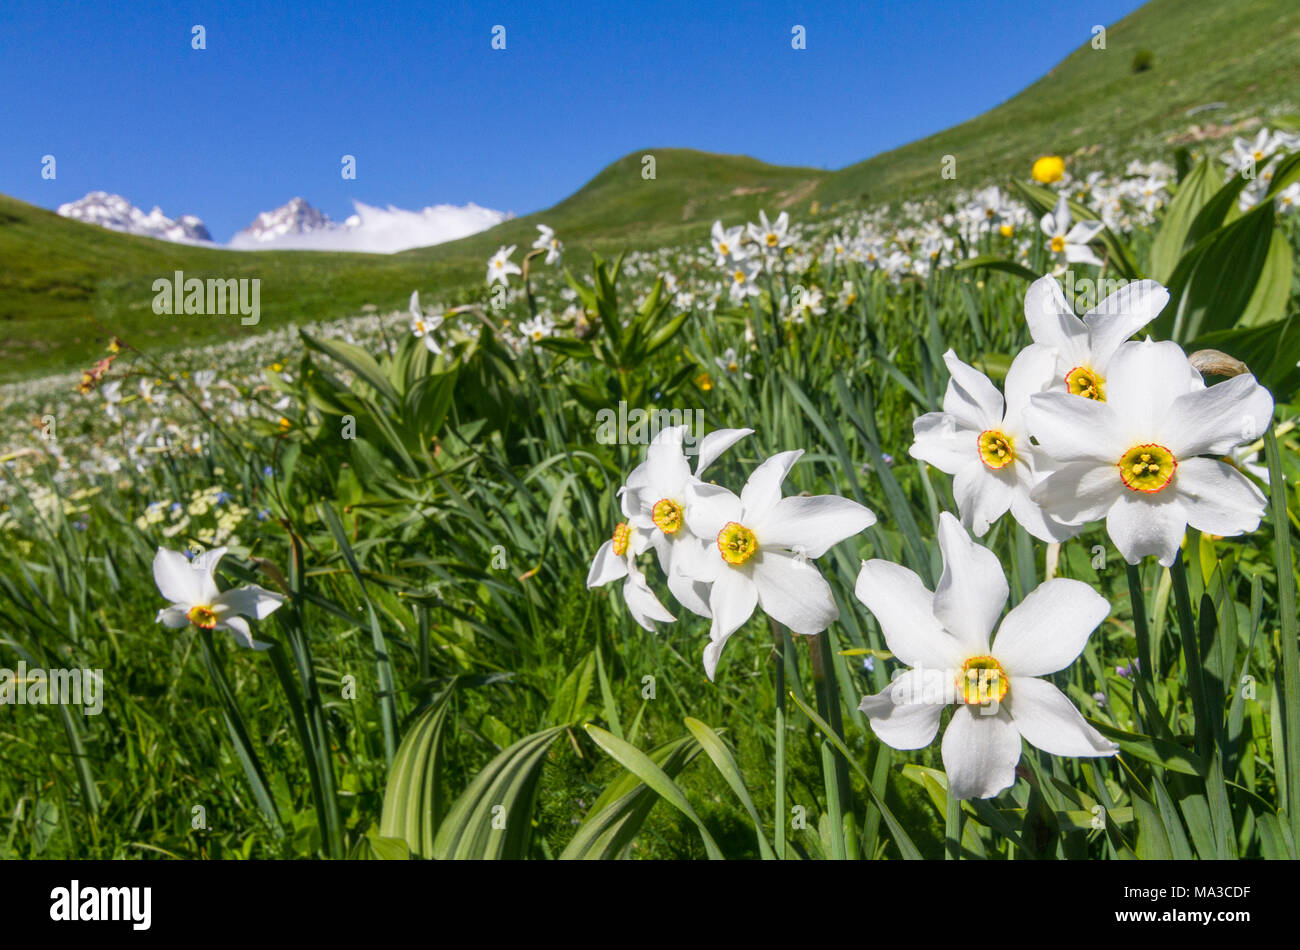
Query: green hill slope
(1244, 54)
(66, 286)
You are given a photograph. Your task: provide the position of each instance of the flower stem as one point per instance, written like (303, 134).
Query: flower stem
(1289, 693)
(1142, 679)
(835, 769)
(1191, 655)
(952, 829)
(778, 677)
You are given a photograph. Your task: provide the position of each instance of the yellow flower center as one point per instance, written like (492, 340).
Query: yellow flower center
(736, 543)
(203, 617)
(997, 450)
(989, 212)
(740, 276)
(622, 536)
(1258, 156)
(723, 249)
(667, 515)
(1058, 244)
(772, 240)
(982, 680)
(1083, 381)
(1007, 230)
(1147, 468)
(733, 366)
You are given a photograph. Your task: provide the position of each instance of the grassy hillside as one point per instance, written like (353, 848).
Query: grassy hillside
(1094, 105)
(65, 286)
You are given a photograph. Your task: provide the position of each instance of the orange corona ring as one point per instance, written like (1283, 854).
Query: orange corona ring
(736, 543)
(622, 535)
(982, 680)
(997, 449)
(1147, 468)
(203, 617)
(1084, 382)
(667, 515)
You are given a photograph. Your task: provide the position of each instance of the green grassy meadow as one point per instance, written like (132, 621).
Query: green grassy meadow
(442, 682)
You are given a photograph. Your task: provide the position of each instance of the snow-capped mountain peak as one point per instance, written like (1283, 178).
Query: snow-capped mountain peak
(118, 214)
(294, 217)
(296, 225)
(299, 226)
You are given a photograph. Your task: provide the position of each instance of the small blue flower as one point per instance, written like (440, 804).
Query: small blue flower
(869, 664)
(223, 497)
(268, 471)
(176, 506)
(263, 514)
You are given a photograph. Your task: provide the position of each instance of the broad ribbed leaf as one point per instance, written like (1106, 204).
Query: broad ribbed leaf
(493, 817)
(413, 799)
(1194, 192)
(617, 815)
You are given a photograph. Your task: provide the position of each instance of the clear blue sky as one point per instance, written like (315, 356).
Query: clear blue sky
(434, 114)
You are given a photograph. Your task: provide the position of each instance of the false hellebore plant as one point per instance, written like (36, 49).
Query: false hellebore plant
(1000, 698)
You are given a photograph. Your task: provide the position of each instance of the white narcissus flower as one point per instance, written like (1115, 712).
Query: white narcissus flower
(1252, 153)
(759, 550)
(422, 326)
(112, 392)
(192, 591)
(768, 235)
(726, 244)
(732, 363)
(1067, 241)
(1288, 199)
(538, 328)
(984, 444)
(1136, 459)
(500, 266)
(1081, 349)
(616, 559)
(944, 637)
(548, 242)
(655, 499)
(743, 280)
